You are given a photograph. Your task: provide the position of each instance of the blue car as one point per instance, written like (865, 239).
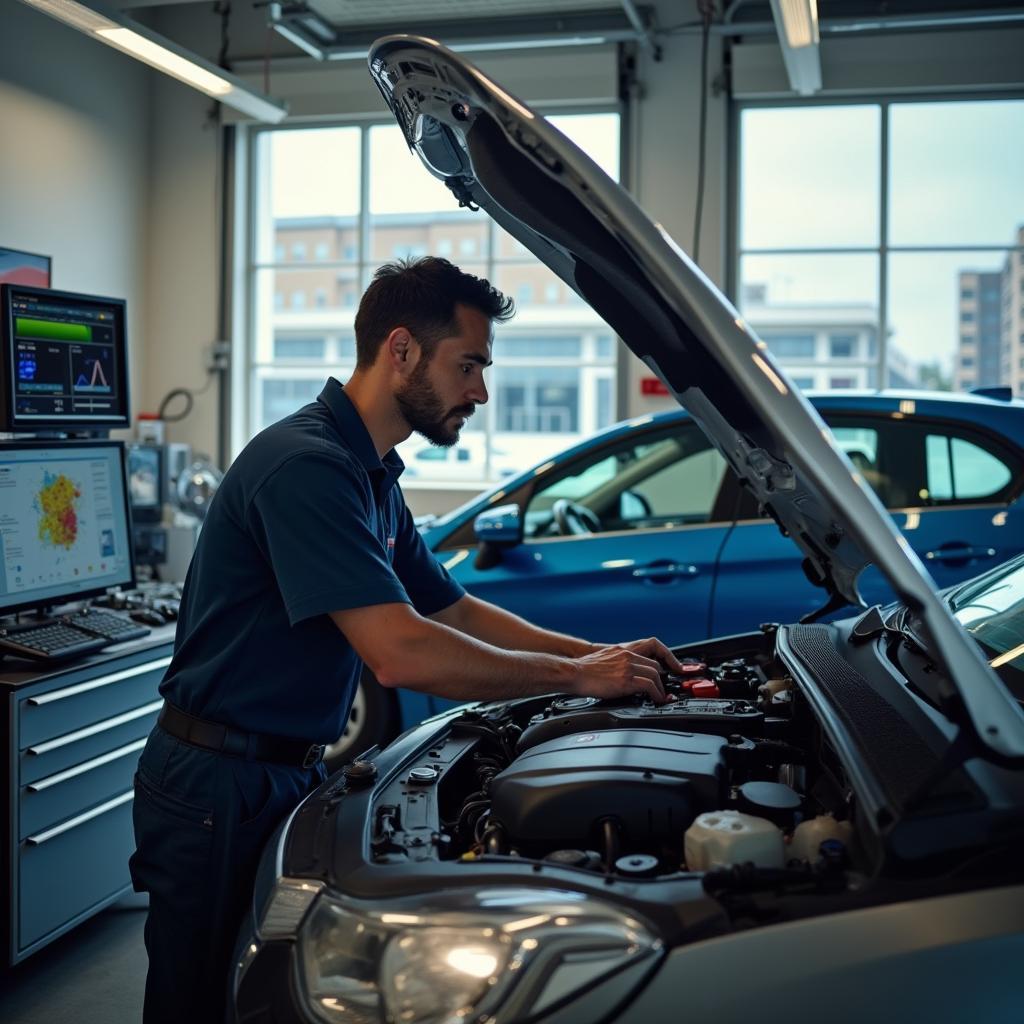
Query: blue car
(643, 530)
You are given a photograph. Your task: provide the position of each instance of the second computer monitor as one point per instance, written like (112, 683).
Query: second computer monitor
(63, 522)
(64, 361)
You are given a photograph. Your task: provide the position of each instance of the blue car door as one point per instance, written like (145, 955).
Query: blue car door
(955, 506)
(620, 543)
(948, 489)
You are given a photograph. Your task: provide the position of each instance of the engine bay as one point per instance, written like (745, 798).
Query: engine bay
(724, 778)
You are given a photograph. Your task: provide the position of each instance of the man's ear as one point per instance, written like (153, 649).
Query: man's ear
(400, 348)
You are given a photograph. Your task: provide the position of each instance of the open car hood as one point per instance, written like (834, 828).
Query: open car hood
(492, 151)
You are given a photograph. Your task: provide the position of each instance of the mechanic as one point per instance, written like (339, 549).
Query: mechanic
(308, 566)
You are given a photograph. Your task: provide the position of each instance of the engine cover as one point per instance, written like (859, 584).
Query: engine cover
(588, 714)
(652, 782)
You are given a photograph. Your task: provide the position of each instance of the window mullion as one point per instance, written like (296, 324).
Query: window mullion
(883, 248)
(363, 254)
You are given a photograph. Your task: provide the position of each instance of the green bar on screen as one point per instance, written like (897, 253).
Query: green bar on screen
(25, 326)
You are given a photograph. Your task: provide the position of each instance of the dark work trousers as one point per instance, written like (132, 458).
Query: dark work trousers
(202, 820)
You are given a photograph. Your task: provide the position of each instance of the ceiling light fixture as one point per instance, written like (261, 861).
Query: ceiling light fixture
(796, 22)
(116, 30)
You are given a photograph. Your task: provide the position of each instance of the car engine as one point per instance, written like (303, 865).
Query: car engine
(722, 775)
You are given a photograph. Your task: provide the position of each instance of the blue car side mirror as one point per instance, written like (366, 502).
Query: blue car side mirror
(500, 527)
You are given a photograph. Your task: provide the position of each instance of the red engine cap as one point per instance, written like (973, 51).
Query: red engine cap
(692, 667)
(689, 684)
(704, 688)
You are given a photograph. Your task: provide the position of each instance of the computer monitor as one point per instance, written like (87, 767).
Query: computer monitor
(64, 522)
(146, 482)
(64, 362)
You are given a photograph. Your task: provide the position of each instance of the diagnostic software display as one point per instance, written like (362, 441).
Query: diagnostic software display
(63, 522)
(64, 363)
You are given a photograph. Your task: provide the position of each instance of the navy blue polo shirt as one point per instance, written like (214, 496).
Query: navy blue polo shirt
(308, 520)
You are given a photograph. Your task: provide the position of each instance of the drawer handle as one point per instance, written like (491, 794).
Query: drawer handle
(92, 730)
(81, 819)
(92, 684)
(85, 766)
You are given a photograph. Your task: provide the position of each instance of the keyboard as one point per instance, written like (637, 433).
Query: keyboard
(48, 641)
(113, 628)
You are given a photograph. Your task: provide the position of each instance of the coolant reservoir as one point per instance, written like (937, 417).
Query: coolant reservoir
(723, 838)
(809, 835)
(768, 690)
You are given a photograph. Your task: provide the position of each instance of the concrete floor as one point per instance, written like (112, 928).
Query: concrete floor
(96, 974)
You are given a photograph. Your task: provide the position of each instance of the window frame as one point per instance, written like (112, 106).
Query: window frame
(883, 250)
(249, 371)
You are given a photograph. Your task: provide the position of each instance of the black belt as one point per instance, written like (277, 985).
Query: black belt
(225, 740)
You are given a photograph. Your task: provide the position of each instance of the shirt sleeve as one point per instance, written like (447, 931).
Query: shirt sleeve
(426, 581)
(311, 520)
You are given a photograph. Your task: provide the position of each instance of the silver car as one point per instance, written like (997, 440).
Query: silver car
(828, 821)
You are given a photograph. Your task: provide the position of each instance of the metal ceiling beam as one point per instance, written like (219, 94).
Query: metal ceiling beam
(872, 25)
(644, 35)
(308, 30)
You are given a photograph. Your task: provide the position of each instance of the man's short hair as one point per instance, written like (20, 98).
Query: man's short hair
(421, 295)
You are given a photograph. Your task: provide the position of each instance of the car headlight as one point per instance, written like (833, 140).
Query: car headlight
(437, 959)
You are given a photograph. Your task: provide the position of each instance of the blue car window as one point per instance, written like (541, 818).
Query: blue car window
(670, 480)
(960, 471)
(686, 488)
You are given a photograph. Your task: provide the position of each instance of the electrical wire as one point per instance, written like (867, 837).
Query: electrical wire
(189, 396)
(223, 9)
(706, 8)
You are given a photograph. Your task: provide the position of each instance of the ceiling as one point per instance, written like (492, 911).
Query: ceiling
(344, 28)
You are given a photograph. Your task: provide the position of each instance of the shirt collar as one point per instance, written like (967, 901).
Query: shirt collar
(384, 471)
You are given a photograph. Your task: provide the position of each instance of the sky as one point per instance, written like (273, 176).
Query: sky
(811, 177)
(326, 162)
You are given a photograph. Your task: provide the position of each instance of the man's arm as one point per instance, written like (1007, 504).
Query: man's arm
(501, 628)
(494, 625)
(402, 648)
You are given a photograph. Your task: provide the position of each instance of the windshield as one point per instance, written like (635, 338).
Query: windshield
(992, 611)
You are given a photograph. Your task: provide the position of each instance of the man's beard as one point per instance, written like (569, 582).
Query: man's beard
(424, 411)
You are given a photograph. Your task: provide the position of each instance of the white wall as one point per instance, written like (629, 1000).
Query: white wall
(182, 279)
(74, 162)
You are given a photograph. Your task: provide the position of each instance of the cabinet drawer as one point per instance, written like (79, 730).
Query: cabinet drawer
(49, 757)
(65, 794)
(67, 870)
(44, 716)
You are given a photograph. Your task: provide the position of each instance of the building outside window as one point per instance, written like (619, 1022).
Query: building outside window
(922, 252)
(843, 346)
(553, 380)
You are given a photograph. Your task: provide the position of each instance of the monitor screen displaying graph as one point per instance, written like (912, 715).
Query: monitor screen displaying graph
(64, 361)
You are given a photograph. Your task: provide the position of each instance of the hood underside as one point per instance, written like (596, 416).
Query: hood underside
(493, 152)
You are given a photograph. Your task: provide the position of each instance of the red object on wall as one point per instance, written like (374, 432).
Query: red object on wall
(652, 386)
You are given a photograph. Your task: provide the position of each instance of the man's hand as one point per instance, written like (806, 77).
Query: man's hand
(654, 648)
(619, 671)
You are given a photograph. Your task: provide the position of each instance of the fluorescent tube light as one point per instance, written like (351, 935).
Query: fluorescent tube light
(799, 21)
(796, 22)
(137, 41)
(159, 57)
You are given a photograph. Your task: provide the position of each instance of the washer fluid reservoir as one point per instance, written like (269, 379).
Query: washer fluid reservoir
(722, 838)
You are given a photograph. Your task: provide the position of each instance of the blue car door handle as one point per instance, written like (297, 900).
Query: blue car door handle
(959, 552)
(664, 570)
